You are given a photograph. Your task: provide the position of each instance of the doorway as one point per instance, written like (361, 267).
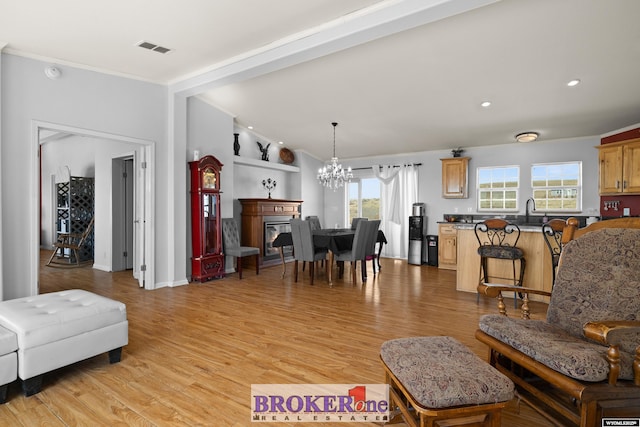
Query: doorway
(135, 157)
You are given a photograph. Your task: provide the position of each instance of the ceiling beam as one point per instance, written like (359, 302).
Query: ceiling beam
(381, 20)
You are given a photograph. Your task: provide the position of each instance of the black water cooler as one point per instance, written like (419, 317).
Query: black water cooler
(417, 235)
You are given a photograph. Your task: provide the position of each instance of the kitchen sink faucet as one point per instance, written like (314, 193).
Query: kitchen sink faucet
(526, 208)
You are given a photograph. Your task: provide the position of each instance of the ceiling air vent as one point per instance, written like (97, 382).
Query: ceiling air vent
(154, 47)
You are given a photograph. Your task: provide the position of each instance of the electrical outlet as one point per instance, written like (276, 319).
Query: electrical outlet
(455, 210)
(626, 212)
(469, 210)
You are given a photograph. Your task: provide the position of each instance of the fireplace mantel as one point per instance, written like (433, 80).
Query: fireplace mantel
(254, 212)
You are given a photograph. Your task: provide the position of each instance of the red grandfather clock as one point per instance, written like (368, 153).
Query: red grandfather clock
(206, 225)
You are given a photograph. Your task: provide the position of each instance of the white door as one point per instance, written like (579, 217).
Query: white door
(142, 232)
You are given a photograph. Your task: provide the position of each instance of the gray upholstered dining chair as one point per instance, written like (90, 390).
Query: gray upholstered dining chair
(355, 221)
(303, 248)
(231, 245)
(358, 249)
(370, 250)
(315, 222)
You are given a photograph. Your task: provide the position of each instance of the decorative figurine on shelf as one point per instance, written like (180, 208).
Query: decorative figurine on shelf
(264, 151)
(236, 144)
(456, 152)
(269, 184)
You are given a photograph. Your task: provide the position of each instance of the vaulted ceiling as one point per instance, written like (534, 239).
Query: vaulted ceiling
(408, 83)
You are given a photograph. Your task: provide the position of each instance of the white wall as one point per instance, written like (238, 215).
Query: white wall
(307, 189)
(81, 99)
(576, 149)
(210, 132)
(2, 45)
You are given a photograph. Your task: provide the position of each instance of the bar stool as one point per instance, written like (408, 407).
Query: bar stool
(552, 232)
(498, 239)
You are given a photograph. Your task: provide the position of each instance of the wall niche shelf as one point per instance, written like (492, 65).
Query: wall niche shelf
(239, 160)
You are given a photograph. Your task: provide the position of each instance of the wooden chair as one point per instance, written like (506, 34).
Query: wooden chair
(498, 239)
(303, 248)
(231, 245)
(552, 233)
(72, 242)
(582, 362)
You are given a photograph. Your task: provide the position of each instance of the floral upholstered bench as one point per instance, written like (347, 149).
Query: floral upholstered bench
(438, 378)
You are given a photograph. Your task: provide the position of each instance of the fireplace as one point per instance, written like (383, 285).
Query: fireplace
(271, 231)
(257, 212)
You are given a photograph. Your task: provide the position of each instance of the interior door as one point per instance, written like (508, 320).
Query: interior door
(142, 227)
(123, 179)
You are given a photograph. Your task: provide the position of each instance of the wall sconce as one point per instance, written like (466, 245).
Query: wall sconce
(269, 184)
(52, 72)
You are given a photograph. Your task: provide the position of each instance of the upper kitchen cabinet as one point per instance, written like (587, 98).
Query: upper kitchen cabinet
(455, 172)
(620, 168)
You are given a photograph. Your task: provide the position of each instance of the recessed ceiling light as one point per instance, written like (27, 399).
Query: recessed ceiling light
(527, 136)
(280, 142)
(574, 82)
(250, 127)
(486, 104)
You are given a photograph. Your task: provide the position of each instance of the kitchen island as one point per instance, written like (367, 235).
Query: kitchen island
(537, 275)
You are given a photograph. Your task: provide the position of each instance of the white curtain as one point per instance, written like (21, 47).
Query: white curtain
(399, 193)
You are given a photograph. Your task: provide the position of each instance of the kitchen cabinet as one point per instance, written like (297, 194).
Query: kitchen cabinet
(619, 168)
(447, 246)
(455, 173)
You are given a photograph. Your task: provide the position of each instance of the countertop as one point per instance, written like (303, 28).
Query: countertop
(536, 228)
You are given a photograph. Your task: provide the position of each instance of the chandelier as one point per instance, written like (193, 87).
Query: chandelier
(333, 175)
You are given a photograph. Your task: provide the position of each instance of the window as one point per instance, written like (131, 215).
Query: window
(557, 187)
(498, 188)
(363, 199)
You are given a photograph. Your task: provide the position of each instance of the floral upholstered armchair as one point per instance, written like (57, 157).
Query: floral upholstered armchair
(581, 363)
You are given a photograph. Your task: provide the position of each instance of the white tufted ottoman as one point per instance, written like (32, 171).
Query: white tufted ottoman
(57, 329)
(8, 361)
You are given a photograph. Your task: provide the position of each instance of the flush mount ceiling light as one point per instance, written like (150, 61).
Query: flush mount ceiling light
(486, 104)
(574, 82)
(527, 136)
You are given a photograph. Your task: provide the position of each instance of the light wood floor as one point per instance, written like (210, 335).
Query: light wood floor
(195, 350)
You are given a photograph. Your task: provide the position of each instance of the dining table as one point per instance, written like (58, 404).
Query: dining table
(335, 240)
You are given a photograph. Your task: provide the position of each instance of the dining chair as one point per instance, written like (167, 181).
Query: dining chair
(370, 252)
(231, 245)
(303, 248)
(315, 222)
(355, 221)
(358, 249)
(315, 225)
